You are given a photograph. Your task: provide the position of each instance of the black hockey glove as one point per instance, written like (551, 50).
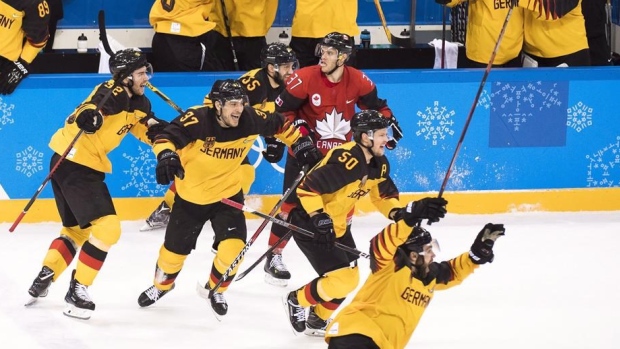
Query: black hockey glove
(550, 9)
(397, 133)
(428, 208)
(11, 74)
(482, 249)
(168, 166)
(323, 229)
(89, 120)
(274, 151)
(155, 126)
(305, 152)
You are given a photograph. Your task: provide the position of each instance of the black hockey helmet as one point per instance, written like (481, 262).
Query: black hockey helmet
(225, 90)
(278, 53)
(367, 121)
(124, 62)
(418, 238)
(340, 41)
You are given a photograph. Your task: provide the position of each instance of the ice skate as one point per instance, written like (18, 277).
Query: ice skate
(158, 219)
(315, 326)
(217, 300)
(151, 295)
(295, 312)
(40, 285)
(276, 272)
(79, 304)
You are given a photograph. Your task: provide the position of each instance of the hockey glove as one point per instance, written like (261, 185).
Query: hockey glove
(89, 120)
(482, 249)
(303, 127)
(274, 151)
(397, 133)
(11, 74)
(549, 9)
(155, 126)
(323, 228)
(305, 152)
(428, 208)
(168, 166)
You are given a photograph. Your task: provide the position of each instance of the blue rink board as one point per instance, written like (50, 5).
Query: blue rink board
(532, 129)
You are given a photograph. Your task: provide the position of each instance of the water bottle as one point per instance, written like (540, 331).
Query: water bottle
(283, 37)
(365, 38)
(82, 44)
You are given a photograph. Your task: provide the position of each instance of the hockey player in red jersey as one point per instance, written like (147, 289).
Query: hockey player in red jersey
(321, 101)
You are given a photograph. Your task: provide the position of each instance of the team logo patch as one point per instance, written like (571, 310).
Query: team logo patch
(316, 99)
(279, 101)
(209, 143)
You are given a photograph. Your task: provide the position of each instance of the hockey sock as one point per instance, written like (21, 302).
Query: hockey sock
(227, 251)
(90, 262)
(60, 255)
(169, 265)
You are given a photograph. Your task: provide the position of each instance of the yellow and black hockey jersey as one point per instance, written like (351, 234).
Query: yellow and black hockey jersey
(121, 115)
(23, 28)
(390, 304)
(211, 155)
(317, 18)
(182, 17)
(247, 18)
(342, 178)
(261, 95)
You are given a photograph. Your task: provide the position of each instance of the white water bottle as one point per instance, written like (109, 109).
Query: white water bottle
(82, 44)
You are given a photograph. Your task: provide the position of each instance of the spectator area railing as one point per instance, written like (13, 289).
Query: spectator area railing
(540, 139)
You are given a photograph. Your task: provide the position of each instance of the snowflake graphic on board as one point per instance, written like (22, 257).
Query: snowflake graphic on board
(484, 100)
(6, 110)
(333, 126)
(141, 174)
(29, 161)
(579, 116)
(435, 123)
(604, 166)
(517, 102)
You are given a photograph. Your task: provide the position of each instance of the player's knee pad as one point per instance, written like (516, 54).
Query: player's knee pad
(75, 235)
(107, 230)
(339, 283)
(247, 174)
(227, 251)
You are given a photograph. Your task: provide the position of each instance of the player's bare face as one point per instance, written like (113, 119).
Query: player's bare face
(231, 112)
(329, 59)
(380, 139)
(286, 70)
(140, 77)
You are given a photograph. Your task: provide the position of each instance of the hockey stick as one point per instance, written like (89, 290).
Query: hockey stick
(165, 98)
(247, 246)
(394, 40)
(103, 36)
(473, 106)
(291, 226)
(444, 9)
(229, 33)
(261, 258)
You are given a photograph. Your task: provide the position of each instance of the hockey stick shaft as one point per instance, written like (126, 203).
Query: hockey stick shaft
(247, 246)
(261, 258)
(103, 36)
(394, 40)
(291, 226)
(473, 106)
(165, 98)
(62, 157)
(229, 33)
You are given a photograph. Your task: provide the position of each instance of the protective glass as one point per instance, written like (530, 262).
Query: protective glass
(432, 247)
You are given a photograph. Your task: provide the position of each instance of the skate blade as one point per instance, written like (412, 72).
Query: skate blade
(156, 226)
(314, 332)
(204, 293)
(274, 281)
(77, 313)
(31, 301)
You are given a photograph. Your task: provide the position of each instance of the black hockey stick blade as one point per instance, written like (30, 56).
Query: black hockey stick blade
(103, 36)
(394, 40)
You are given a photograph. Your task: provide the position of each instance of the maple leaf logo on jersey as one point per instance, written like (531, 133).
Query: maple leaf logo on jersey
(333, 126)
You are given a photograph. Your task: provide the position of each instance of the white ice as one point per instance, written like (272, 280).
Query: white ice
(554, 284)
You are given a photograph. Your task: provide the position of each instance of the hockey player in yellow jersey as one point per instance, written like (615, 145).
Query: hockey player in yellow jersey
(23, 34)
(327, 194)
(202, 150)
(84, 203)
(262, 85)
(387, 309)
(180, 42)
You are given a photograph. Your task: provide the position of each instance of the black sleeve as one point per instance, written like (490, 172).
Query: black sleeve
(36, 20)
(186, 128)
(287, 102)
(116, 103)
(372, 101)
(331, 176)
